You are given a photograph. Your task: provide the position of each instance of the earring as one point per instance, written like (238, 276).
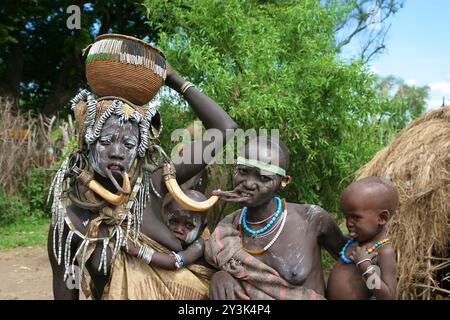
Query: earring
(285, 182)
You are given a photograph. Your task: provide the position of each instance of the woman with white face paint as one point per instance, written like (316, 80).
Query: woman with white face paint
(109, 190)
(186, 226)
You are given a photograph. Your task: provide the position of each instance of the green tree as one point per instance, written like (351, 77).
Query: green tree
(274, 64)
(403, 102)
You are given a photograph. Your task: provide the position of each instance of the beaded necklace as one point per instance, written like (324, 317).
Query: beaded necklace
(261, 221)
(270, 231)
(267, 226)
(370, 250)
(275, 238)
(267, 246)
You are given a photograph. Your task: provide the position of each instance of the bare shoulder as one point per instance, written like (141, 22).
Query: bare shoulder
(313, 215)
(308, 211)
(386, 254)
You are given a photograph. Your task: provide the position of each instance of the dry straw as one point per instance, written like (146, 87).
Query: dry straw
(418, 162)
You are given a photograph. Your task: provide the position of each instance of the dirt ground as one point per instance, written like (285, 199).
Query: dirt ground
(25, 274)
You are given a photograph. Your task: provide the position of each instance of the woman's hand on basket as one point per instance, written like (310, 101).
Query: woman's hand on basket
(169, 70)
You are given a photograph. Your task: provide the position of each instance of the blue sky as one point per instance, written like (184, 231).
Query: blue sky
(418, 48)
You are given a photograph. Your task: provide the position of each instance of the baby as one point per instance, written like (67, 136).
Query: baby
(366, 268)
(187, 227)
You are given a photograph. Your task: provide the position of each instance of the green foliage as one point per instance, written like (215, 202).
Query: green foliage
(174, 116)
(274, 65)
(34, 191)
(403, 103)
(29, 203)
(64, 153)
(26, 231)
(11, 208)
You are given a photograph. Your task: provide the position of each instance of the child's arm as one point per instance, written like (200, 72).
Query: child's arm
(168, 261)
(194, 252)
(383, 283)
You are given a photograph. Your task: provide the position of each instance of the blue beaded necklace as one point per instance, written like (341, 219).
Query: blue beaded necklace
(344, 249)
(268, 225)
(370, 250)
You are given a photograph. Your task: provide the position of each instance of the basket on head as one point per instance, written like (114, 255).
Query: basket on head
(124, 66)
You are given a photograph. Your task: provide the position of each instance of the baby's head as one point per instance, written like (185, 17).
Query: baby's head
(186, 225)
(368, 204)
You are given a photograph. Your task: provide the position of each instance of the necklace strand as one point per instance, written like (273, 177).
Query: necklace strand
(261, 221)
(267, 226)
(370, 250)
(281, 223)
(275, 238)
(270, 231)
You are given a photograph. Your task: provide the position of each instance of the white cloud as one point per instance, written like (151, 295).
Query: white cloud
(434, 104)
(373, 69)
(441, 87)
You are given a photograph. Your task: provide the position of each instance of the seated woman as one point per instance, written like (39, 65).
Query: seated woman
(269, 249)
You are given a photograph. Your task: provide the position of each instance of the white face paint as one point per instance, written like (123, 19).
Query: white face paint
(116, 145)
(192, 236)
(196, 221)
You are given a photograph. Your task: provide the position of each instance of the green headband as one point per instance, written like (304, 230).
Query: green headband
(261, 165)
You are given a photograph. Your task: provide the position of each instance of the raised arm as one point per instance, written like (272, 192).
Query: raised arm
(213, 118)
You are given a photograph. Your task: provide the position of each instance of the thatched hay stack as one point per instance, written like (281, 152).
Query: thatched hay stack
(418, 162)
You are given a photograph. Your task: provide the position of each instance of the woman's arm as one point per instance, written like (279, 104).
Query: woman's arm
(213, 118)
(194, 252)
(329, 234)
(168, 261)
(61, 289)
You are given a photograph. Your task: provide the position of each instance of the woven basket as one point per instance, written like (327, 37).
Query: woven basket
(124, 66)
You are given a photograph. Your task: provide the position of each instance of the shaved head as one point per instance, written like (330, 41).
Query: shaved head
(170, 204)
(384, 191)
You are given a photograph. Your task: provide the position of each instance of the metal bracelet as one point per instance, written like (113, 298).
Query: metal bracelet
(186, 86)
(369, 269)
(182, 262)
(146, 253)
(366, 259)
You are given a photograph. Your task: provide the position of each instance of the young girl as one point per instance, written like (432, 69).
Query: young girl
(366, 268)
